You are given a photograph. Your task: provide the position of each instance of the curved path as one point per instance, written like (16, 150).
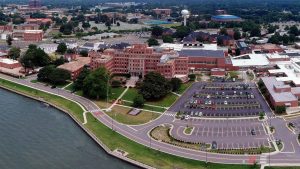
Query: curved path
(290, 155)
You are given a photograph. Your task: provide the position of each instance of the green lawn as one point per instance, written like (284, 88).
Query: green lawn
(296, 167)
(130, 94)
(70, 87)
(146, 107)
(114, 140)
(120, 114)
(155, 158)
(165, 102)
(184, 86)
(56, 100)
(34, 81)
(116, 92)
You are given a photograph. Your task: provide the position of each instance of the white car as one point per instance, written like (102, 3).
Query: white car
(225, 102)
(187, 117)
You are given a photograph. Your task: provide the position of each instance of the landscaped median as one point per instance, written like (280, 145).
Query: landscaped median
(113, 140)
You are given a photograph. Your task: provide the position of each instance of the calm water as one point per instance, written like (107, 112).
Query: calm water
(36, 137)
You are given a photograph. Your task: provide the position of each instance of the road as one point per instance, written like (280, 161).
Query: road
(290, 154)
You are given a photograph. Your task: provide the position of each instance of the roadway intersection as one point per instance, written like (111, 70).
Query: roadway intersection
(234, 130)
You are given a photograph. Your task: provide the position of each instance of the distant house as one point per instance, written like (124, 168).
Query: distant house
(225, 40)
(243, 47)
(168, 32)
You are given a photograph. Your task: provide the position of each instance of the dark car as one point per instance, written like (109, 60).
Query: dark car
(53, 87)
(214, 145)
(253, 133)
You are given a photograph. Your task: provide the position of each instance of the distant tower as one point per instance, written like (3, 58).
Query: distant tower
(34, 4)
(185, 13)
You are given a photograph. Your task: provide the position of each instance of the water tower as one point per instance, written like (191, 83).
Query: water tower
(185, 13)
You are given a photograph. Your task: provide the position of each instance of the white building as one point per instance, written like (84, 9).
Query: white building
(49, 48)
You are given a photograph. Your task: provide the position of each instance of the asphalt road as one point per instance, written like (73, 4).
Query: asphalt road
(140, 134)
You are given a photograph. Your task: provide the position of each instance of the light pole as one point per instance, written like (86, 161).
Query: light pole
(203, 147)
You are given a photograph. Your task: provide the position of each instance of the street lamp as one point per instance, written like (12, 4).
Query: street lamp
(203, 147)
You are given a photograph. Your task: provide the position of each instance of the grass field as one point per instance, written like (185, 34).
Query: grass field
(146, 107)
(184, 86)
(119, 113)
(113, 140)
(57, 100)
(167, 101)
(279, 167)
(148, 156)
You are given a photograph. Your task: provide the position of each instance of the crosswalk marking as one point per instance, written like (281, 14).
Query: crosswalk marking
(169, 114)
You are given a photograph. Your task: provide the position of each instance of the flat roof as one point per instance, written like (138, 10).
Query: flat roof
(75, 65)
(8, 61)
(179, 47)
(278, 97)
(290, 68)
(202, 53)
(249, 60)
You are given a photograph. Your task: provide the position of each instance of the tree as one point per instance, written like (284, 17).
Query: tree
(59, 76)
(138, 101)
(61, 48)
(236, 34)
(14, 53)
(107, 24)
(175, 84)
(167, 39)
(157, 31)
(223, 31)
(44, 73)
(152, 42)
(285, 39)
(115, 83)
(154, 86)
(255, 31)
(35, 57)
(182, 31)
(294, 30)
(9, 40)
(84, 53)
(192, 77)
(95, 85)
(78, 83)
(27, 61)
(59, 61)
(280, 109)
(86, 25)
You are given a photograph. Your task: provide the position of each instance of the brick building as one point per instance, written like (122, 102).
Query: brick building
(33, 35)
(39, 21)
(200, 59)
(280, 93)
(6, 28)
(268, 48)
(163, 12)
(76, 66)
(139, 59)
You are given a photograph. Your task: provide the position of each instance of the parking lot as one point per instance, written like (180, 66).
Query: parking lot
(221, 100)
(228, 133)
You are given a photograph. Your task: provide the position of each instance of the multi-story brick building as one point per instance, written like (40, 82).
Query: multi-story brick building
(200, 59)
(33, 35)
(139, 59)
(163, 12)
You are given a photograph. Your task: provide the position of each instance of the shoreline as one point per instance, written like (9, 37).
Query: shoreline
(86, 130)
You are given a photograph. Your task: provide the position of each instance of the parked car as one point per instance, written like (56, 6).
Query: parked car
(214, 145)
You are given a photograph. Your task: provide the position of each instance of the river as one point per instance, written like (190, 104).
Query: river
(33, 136)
